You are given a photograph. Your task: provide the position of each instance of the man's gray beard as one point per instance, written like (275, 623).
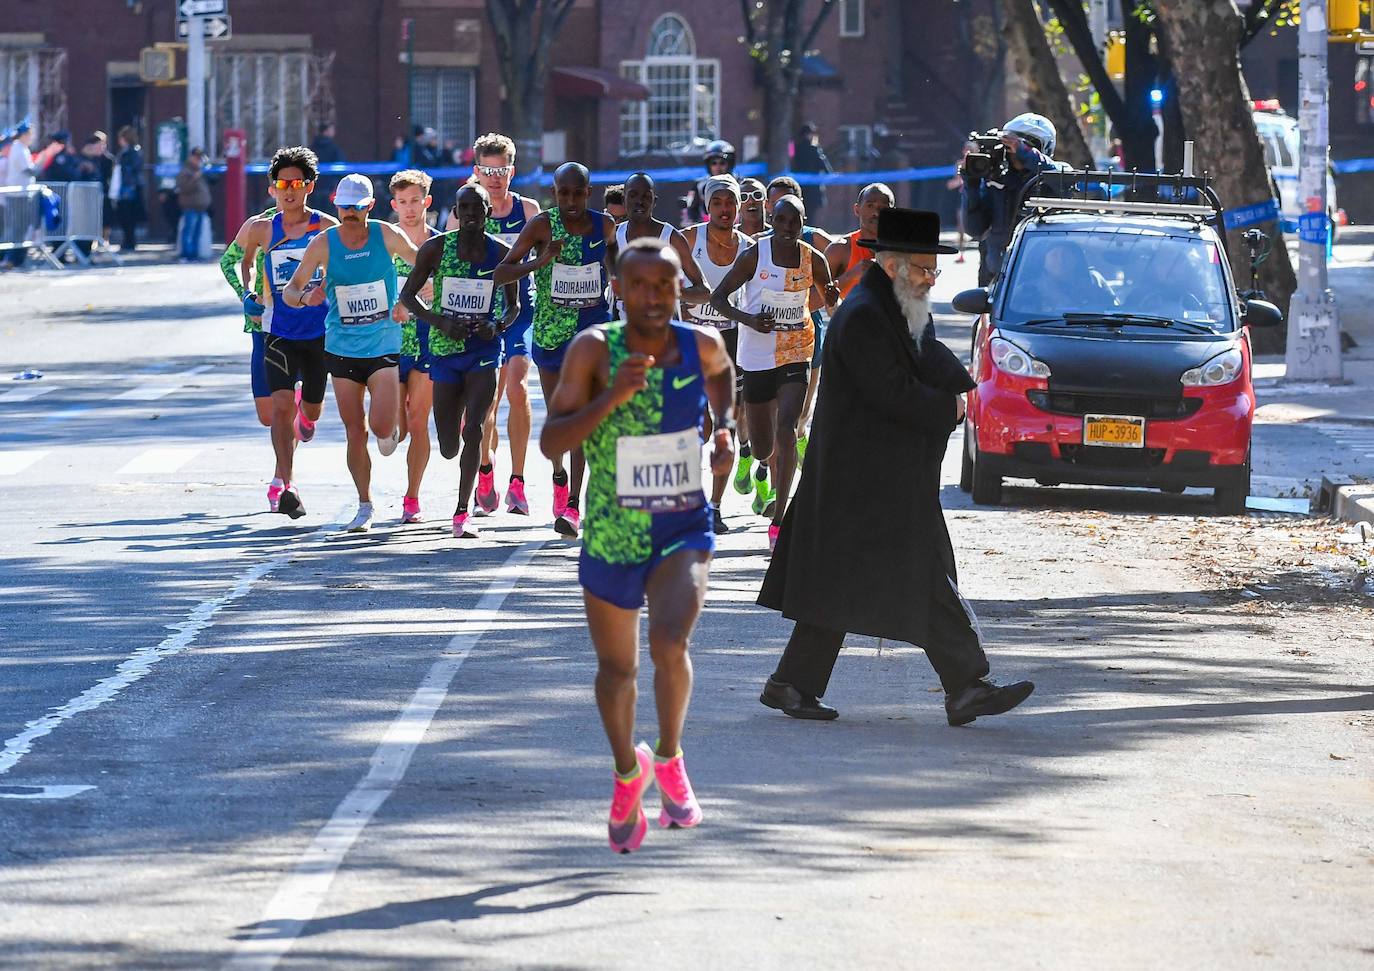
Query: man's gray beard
(914, 299)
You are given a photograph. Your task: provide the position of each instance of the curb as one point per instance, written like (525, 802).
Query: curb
(1342, 497)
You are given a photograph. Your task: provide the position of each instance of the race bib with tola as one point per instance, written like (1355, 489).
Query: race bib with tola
(462, 297)
(577, 287)
(361, 303)
(659, 473)
(704, 313)
(788, 308)
(284, 264)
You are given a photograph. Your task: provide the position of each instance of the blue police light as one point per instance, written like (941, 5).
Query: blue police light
(1156, 97)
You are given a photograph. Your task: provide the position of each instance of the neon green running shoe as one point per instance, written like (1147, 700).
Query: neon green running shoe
(763, 497)
(801, 449)
(742, 471)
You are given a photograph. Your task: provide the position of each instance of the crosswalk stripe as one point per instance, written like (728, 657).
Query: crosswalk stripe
(156, 460)
(162, 386)
(12, 463)
(28, 392)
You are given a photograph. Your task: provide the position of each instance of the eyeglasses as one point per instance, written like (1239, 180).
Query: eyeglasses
(493, 171)
(753, 195)
(356, 207)
(291, 183)
(931, 272)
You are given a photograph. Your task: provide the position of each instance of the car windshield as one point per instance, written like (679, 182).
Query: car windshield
(1118, 274)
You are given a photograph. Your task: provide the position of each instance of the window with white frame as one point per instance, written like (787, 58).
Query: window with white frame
(857, 141)
(277, 98)
(851, 18)
(442, 98)
(33, 89)
(683, 107)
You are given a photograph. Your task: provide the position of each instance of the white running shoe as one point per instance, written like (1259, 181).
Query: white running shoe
(362, 522)
(388, 445)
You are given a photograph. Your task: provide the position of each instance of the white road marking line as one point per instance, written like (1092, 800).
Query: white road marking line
(299, 897)
(157, 460)
(164, 386)
(137, 665)
(28, 392)
(12, 463)
(42, 792)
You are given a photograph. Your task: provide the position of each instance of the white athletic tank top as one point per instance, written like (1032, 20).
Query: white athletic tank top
(713, 275)
(784, 292)
(622, 239)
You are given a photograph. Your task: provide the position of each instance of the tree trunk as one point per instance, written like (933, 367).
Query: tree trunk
(1204, 42)
(1138, 132)
(524, 31)
(1046, 92)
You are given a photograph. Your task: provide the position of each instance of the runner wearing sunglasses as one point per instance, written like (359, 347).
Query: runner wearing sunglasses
(362, 327)
(576, 250)
(752, 220)
(293, 342)
(753, 223)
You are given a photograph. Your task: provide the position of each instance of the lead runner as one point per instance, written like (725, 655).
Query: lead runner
(635, 392)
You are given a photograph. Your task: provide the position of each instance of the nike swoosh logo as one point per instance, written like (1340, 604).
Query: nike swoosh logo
(485, 363)
(596, 244)
(680, 383)
(485, 272)
(670, 550)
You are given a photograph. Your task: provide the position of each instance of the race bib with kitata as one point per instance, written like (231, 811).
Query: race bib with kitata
(659, 473)
(788, 308)
(577, 287)
(361, 303)
(464, 297)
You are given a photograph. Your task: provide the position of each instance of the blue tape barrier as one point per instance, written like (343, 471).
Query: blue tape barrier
(1259, 212)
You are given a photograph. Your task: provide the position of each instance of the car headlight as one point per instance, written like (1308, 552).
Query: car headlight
(1222, 369)
(1011, 359)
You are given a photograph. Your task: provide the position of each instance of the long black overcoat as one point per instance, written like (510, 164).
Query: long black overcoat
(865, 536)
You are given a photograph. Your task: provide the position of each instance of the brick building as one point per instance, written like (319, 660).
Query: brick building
(635, 83)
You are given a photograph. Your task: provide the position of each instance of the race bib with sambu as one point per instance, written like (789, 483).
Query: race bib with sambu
(659, 473)
(464, 297)
(577, 287)
(362, 303)
(788, 308)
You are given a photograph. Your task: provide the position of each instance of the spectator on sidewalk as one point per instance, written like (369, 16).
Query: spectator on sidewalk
(17, 169)
(808, 156)
(329, 153)
(126, 188)
(65, 165)
(97, 165)
(193, 196)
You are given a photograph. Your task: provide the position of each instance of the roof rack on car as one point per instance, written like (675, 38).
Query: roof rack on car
(1145, 193)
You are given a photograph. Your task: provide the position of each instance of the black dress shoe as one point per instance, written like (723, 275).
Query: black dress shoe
(790, 701)
(984, 697)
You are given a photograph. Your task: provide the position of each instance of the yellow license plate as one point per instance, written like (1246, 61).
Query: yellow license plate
(1114, 431)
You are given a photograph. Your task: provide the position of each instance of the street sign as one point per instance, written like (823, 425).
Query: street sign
(202, 8)
(211, 28)
(1312, 227)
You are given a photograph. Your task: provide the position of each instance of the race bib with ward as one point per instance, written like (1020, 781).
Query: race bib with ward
(462, 297)
(361, 303)
(285, 262)
(577, 287)
(788, 308)
(659, 473)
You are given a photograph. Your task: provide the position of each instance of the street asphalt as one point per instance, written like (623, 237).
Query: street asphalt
(230, 739)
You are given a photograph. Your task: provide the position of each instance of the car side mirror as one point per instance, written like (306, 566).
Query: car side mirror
(1262, 313)
(975, 301)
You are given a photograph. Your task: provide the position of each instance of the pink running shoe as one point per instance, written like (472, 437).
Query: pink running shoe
(773, 532)
(274, 490)
(487, 498)
(560, 501)
(515, 498)
(305, 428)
(627, 824)
(569, 523)
(410, 510)
(464, 527)
(680, 807)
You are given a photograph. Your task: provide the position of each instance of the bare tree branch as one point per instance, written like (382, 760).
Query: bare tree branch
(826, 7)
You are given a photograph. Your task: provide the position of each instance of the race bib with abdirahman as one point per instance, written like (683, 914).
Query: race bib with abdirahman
(659, 473)
(463, 297)
(788, 308)
(361, 303)
(577, 287)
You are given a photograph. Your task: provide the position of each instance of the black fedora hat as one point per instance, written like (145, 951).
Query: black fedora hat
(908, 231)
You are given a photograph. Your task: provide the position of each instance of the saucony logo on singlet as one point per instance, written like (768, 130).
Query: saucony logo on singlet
(680, 383)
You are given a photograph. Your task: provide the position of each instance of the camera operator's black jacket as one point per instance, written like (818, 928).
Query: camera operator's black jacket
(990, 207)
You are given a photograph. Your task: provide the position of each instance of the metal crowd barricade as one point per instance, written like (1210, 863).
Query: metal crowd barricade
(21, 221)
(82, 210)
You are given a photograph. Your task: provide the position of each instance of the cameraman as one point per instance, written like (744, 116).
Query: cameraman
(989, 202)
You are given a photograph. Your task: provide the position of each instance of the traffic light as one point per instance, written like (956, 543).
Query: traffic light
(1116, 55)
(157, 64)
(1343, 16)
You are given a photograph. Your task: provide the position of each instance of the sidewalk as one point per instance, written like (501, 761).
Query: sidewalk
(1344, 413)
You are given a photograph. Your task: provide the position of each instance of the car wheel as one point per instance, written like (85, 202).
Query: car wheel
(986, 485)
(966, 460)
(1230, 499)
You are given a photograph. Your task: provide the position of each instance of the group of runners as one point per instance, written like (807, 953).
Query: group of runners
(645, 338)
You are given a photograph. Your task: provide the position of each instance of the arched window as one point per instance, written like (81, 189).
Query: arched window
(683, 108)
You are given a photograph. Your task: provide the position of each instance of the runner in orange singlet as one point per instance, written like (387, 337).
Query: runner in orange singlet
(848, 260)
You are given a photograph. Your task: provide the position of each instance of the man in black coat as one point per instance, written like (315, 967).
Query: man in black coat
(890, 399)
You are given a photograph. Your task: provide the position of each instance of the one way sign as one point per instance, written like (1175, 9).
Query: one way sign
(211, 28)
(202, 8)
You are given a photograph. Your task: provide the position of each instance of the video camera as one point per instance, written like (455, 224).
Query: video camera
(989, 154)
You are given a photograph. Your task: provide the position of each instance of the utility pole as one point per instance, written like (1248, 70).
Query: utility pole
(195, 83)
(1314, 332)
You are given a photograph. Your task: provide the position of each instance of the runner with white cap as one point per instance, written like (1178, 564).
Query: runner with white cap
(363, 327)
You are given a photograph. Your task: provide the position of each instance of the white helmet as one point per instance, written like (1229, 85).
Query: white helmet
(1038, 127)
